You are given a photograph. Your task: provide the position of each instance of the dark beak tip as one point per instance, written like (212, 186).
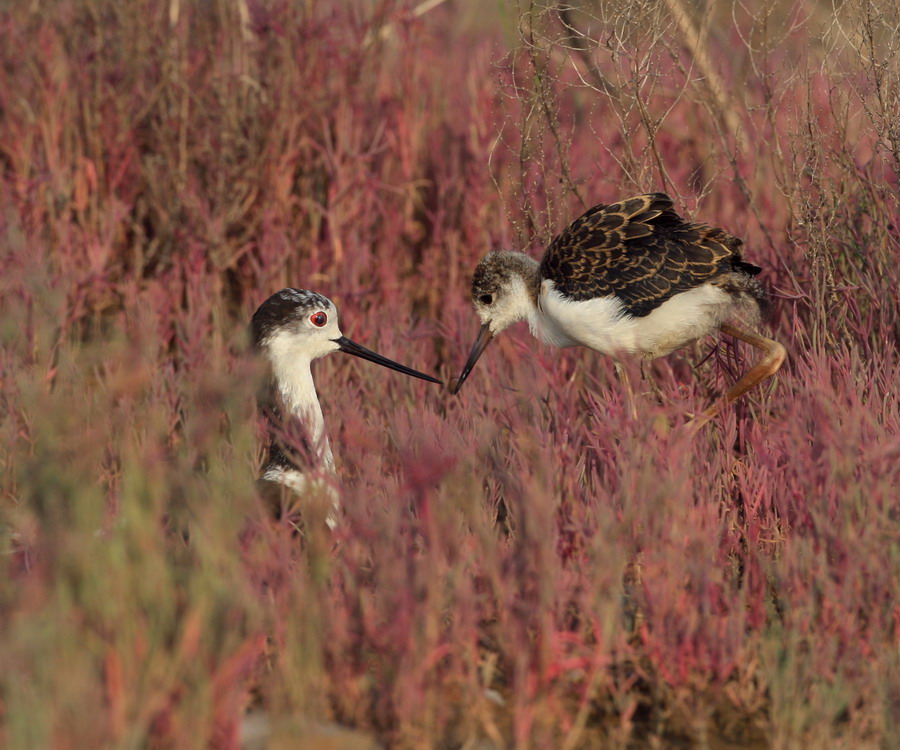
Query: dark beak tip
(484, 338)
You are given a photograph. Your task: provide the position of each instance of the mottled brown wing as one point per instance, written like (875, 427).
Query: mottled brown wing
(639, 250)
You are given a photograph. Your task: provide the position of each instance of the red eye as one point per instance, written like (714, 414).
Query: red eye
(318, 319)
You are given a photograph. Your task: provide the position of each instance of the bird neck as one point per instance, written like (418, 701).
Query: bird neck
(529, 271)
(297, 390)
(521, 301)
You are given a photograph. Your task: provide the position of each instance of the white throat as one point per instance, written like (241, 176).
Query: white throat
(293, 378)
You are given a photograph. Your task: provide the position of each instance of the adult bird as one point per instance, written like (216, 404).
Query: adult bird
(291, 329)
(628, 279)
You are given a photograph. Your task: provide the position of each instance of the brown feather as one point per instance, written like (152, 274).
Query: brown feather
(640, 251)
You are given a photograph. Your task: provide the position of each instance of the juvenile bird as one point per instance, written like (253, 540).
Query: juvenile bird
(628, 279)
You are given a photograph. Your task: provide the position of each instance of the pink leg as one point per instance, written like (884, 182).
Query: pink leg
(765, 368)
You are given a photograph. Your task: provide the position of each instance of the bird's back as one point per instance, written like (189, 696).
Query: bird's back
(642, 252)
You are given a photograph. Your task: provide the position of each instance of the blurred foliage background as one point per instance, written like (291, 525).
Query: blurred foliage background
(521, 566)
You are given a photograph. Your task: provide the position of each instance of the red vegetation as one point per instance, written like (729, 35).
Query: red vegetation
(524, 563)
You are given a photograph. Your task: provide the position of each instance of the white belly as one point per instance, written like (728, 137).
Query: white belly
(601, 325)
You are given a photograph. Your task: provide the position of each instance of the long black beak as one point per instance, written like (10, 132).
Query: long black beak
(484, 338)
(351, 347)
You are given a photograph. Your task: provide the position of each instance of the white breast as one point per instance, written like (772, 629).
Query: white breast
(602, 324)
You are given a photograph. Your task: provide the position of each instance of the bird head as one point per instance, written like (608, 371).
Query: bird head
(504, 291)
(298, 325)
